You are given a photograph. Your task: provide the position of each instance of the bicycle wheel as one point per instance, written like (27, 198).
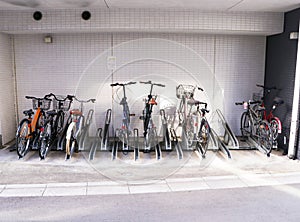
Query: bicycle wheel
(245, 125)
(36, 143)
(259, 113)
(203, 137)
(23, 139)
(44, 143)
(59, 122)
(265, 136)
(274, 126)
(189, 131)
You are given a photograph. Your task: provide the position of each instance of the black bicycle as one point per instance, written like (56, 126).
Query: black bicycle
(150, 133)
(125, 131)
(54, 123)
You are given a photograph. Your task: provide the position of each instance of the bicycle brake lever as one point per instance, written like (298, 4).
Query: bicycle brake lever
(130, 83)
(148, 82)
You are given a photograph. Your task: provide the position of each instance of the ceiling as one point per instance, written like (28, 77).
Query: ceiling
(205, 5)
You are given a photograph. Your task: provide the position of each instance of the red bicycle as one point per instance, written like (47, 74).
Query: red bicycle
(274, 121)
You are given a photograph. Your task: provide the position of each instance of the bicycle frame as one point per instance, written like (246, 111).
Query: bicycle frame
(33, 128)
(53, 127)
(256, 129)
(275, 122)
(125, 131)
(187, 119)
(150, 133)
(74, 131)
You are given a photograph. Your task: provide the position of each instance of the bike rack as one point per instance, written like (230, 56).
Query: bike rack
(257, 146)
(83, 136)
(220, 144)
(105, 136)
(228, 140)
(94, 146)
(177, 145)
(136, 144)
(166, 135)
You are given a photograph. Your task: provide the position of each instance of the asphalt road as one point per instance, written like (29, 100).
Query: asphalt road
(268, 203)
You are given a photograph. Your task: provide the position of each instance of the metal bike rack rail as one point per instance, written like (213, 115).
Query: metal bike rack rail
(228, 140)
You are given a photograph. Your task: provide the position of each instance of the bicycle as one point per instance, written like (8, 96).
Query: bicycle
(254, 127)
(53, 126)
(150, 133)
(75, 134)
(273, 120)
(125, 131)
(29, 128)
(195, 127)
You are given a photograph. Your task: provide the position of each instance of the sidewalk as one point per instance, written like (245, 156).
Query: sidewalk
(79, 176)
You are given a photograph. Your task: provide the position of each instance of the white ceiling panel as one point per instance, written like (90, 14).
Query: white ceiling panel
(205, 5)
(267, 5)
(211, 5)
(50, 4)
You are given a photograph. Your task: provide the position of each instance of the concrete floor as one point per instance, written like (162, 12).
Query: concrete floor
(248, 187)
(79, 176)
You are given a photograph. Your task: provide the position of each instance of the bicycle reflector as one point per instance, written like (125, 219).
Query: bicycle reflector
(152, 101)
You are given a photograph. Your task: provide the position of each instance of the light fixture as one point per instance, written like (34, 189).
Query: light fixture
(294, 35)
(48, 39)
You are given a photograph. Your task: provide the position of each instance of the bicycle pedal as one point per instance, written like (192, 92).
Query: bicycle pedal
(146, 150)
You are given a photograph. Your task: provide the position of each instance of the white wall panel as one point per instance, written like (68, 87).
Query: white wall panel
(143, 20)
(238, 62)
(7, 109)
(59, 67)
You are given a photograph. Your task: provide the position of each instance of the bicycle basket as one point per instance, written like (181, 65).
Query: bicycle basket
(62, 105)
(257, 96)
(186, 91)
(42, 103)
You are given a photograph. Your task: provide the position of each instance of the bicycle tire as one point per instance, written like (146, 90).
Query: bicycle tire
(59, 122)
(44, 143)
(203, 137)
(22, 138)
(246, 128)
(265, 136)
(274, 126)
(36, 135)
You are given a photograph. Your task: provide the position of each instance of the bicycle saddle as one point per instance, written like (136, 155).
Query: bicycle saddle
(278, 101)
(193, 102)
(75, 112)
(28, 112)
(51, 112)
(204, 110)
(260, 108)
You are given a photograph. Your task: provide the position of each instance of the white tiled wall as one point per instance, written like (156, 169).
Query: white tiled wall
(79, 60)
(195, 49)
(7, 99)
(144, 20)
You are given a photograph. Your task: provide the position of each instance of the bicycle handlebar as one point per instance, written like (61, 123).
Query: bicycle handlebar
(266, 88)
(32, 97)
(249, 102)
(84, 101)
(154, 84)
(122, 84)
(69, 97)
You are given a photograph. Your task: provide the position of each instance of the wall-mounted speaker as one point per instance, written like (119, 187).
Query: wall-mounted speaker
(85, 15)
(37, 15)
